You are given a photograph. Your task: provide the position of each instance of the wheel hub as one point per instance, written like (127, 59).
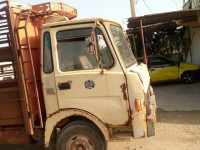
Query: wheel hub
(80, 142)
(79, 145)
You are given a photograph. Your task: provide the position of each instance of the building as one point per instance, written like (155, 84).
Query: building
(193, 34)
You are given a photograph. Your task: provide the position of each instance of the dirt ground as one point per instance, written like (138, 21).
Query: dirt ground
(178, 122)
(174, 131)
(176, 96)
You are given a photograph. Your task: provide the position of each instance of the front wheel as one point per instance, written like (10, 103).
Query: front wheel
(80, 135)
(188, 77)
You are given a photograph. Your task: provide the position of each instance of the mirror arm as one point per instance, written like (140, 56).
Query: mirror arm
(93, 37)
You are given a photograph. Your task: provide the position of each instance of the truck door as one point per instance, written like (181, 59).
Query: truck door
(162, 69)
(80, 82)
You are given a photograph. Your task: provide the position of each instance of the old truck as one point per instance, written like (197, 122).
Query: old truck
(72, 82)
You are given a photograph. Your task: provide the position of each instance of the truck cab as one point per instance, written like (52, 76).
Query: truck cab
(73, 82)
(94, 89)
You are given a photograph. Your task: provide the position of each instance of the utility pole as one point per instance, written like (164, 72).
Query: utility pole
(132, 8)
(133, 15)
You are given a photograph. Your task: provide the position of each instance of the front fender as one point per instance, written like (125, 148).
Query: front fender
(54, 119)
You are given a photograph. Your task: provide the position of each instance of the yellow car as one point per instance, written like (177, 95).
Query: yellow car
(163, 69)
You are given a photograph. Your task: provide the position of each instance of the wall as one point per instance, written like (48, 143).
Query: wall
(194, 35)
(195, 45)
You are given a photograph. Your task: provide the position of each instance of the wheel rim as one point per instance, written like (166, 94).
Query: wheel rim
(188, 78)
(80, 142)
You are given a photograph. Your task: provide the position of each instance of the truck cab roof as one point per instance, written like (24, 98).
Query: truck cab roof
(51, 23)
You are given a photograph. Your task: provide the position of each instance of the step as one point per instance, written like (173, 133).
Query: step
(28, 79)
(23, 44)
(31, 95)
(122, 136)
(23, 27)
(26, 62)
(22, 19)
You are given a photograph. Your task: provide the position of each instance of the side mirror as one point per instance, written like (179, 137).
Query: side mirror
(89, 45)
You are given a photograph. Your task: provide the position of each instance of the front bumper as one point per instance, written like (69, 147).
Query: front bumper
(151, 117)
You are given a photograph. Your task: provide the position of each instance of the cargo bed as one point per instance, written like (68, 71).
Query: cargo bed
(21, 99)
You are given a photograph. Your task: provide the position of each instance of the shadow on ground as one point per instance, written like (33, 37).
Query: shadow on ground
(178, 117)
(173, 117)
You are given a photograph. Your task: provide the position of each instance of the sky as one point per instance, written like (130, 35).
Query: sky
(117, 10)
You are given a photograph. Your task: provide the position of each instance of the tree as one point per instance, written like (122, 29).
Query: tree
(162, 42)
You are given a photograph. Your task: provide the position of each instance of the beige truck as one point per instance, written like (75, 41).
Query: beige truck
(74, 83)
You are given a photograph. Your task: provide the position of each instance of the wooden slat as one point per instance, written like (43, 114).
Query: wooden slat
(7, 74)
(8, 81)
(4, 26)
(9, 89)
(11, 100)
(10, 74)
(3, 18)
(6, 58)
(4, 33)
(4, 2)
(3, 22)
(4, 42)
(5, 29)
(11, 121)
(5, 38)
(3, 14)
(14, 135)
(5, 49)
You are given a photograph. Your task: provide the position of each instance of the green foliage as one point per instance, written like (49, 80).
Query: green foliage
(162, 42)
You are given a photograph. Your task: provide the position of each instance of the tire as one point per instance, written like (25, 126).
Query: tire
(80, 135)
(188, 77)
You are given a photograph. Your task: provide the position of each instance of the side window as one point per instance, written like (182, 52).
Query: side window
(47, 54)
(71, 48)
(160, 62)
(104, 52)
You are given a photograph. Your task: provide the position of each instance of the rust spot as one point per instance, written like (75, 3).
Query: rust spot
(145, 99)
(129, 121)
(123, 87)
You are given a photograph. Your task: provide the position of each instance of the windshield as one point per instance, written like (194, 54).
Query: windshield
(122, 45)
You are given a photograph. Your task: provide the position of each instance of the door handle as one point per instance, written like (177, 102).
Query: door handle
(64, 85)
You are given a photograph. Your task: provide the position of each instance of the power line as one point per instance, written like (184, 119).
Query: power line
(138, 11)
(175, 3)
(147, 6)
(136, 1)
